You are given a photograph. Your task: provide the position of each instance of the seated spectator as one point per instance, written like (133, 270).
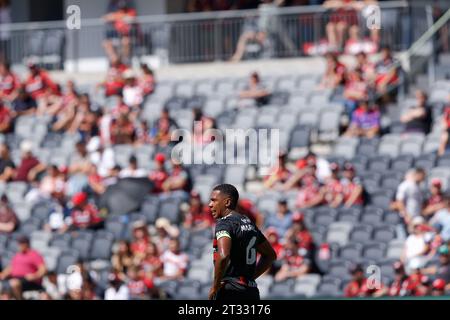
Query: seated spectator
(50, 285)
(9, 82)
(178, 179)
(96, 184)
(365, 121)
(409, 197)
(7, 167)
(201, 128)
(151, 264)
(6, 117)
(300, 233)
(175, 262)
(113, 84)
(310, 194)
(112, 177)
(38, 82)
(294, 264)
(444, 145)
(435, 201)
(23, 104)
(418, 118)
(26, 270)
(161, 134)
(138, 287)
(416, 246)
(278, 175)
(366, 67)
(197, 215)
(122, 259)
(52, 185)
(133, 95)
(274, 239)
(398, 285)
(116, 290)
(356, 89)
(387, 73)
(84, 215)
(332, 189)
(441, 268)
(133, 170)
(438, 288)
(69, 98)
(417, 282)
(147, 80)
(159, 175)
(101, 156)
(281, 220)
(29, 167)
(441, 219)
(352, 189)
(8, 219)
(165, 232)
(358, 286)
(255, 90)
(141, 240)
(334, 74)
(142, 133)
(85, 120)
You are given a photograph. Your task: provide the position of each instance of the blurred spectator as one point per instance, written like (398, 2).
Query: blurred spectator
(441, 268)
(309, 194)
(121, 27)
(85, 120)
(278, 175)
(29, 167)
(133, 94)
(7, 167)
(201, 126)
(332, 189)
(26, 270)
(366, 68)
(294, 264)
(24, 104)
(178, 179)
(147, 80)
(435, 201)
(102, 157)
(165, 232)
(151, 264)
(50, 285)
(409, 197)
(387, 74)
(38, 82)
(5, 119)
(365, 121)
(343, 16)
(161, 133)
(356, 89)
(68, 99)
(142, 133)
(84, 215)
(197, 215)
(175, 262)
(159, 175)
(444, 145)
(442, 219)
(5, 34)
(52, 185)
(114, 82)
(417, 282)
(281, 220)
(300, 233)
(9, 82)
(359, 285)
(116, 290)
(8, 219)
(122, 259)
(141, 240)
(352, 189)
(418, 118)
(398, 285)
(438, 288)
(334, 74)
(133, 171)
(255, 90)
(416, 246)
(138, 287)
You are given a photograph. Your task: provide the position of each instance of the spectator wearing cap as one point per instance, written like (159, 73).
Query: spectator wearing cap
(174, 261)
(29, 167)
(281, 220)
(7, 166)
(438, 288)
(441, 219)
(159, 175)
(441, 268)
(332, 189)
(359, 286)
(435, 201)
(409, 197)
(294, 264)
(352, 189)
(116, 290)
(83, 215)
(122, 259)
(26, 270)
(300, 232)
(416, 246)
(197, 216)
(133, 170)
(365, 121)
(8, 218)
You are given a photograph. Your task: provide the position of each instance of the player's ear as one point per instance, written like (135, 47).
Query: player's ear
(227, 203)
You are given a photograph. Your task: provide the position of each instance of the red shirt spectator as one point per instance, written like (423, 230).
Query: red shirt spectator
(147, 80)
(39, 82)
(274, 240)
(9, 82)
(141, 239)
(308, 193)
(122, 130)
(198, 214)
(359, 286)
(84, 215)
(28, 163)
(114, 81)
(300, 232)
(5, 119)
(159, 175)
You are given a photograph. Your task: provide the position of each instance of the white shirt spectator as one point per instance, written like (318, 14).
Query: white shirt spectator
(104, 161)
(133, 95)
(133, 173)
(173, 263)
(415, 246)
(121, 294)
(409, 193)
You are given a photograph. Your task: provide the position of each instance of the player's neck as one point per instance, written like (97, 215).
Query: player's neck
(230, 212)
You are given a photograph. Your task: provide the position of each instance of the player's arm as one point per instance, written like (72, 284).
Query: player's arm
(268, 256)
(221, 261)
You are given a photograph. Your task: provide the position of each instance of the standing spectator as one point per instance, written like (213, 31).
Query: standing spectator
(26, 270)
(9, 82)
(255, 90)
(133, 170)
(343, 16)
(418, 118)
(8, 218)
(365, 121)
(7, 167)
(281, 220)
(435, 201)
(116, 290)
(29, 167)
(294, 264)
(409, 198)
(175, 262)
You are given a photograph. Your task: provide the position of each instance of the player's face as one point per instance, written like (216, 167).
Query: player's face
(217, 204)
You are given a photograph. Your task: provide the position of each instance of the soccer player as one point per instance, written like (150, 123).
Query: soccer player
(237, 241)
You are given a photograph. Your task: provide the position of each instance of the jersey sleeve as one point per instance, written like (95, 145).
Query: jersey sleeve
(223, 229)
(260, 238)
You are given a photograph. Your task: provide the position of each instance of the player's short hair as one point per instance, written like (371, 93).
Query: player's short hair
(230, 191)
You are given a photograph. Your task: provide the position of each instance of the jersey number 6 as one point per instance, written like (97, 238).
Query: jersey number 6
(251, 251)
